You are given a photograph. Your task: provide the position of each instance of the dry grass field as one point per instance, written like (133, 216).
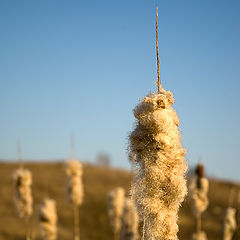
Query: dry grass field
(49, 181)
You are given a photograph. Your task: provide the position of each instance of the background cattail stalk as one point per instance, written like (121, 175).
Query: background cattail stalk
(76, 222)
(129, 229)
(75, 191)
(23, 198)
(198, 223)
(48, 219)
(115, 203)
(22, 179)
(238, 215)
(28, 230)
(199, 201)
(229, 223)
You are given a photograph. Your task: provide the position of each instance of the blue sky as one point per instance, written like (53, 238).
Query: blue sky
(82, 66)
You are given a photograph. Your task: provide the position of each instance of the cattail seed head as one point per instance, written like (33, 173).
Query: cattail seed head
(23, 199)
(48, 219)
(159, 183)
(74, 182)
(115, 203)
(229, 223)
(200, 172)
(199, 236)
(198, 191)
(129, 221)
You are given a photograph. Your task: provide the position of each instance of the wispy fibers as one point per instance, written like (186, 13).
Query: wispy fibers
(198, 191)
(130, 221)
(115, 203)
(229, 221)
(48, 219)
(22, 179)
(156, 152)
(75, 191)
(229, 224)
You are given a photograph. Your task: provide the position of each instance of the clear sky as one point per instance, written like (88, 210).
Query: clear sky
(81, 66)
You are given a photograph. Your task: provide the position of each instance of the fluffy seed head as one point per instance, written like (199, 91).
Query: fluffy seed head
(157, 154)
(129, 221)
(74, 182)
(229, 224)
(199, 236)
(22, 179)
(48, 219)
(115, 203)
(198, 190)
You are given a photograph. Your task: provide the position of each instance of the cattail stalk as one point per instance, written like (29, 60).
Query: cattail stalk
(75, 191)
(158, 62)
(76, 222)
(115, 203)
(130, 221)
(155, 148)
(48, 219)
(198, 191)
(23, 198)
(238, 215)
(159, 184)
(229, 224)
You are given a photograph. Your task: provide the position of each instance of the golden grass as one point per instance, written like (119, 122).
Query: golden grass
(49, 181)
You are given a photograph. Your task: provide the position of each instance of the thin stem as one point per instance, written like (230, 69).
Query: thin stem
(158, 62)
(115, 235)
(27, 224)
(73, 146)
(230, 200)
(76, 223)
(20, 163)
(198, 223)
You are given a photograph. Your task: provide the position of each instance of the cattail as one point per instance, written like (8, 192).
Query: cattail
(229, 223)
(22, 179)
(75, 191)
(129, 221)
(238, 215)
(23, 199)
(199, 236)
(48, 219)
(198, 191)
(115, 203)
(74, 182)
(159, 185)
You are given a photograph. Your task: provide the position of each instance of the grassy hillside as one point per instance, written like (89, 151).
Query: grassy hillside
(49, 181)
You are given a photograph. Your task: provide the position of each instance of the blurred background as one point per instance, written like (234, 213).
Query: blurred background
(79, 68)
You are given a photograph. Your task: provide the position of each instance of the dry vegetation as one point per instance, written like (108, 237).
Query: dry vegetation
(49, 181)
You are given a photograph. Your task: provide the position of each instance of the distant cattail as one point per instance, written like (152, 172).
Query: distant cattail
(199, 236)
(48, 219)
(129, 221)
(229, 223)
(74, 182)
(115, 203)
(159, 184)
(23, 199)
(198, 191)
(75, 191)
